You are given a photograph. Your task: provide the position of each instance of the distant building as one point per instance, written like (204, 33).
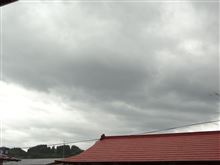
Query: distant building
(5, 158)
(4, 150)
(196, 148)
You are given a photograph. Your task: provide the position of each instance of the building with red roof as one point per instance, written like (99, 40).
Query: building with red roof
(5, 158)
(194, 148)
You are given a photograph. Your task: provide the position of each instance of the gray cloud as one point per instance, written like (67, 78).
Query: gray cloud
(136, 66)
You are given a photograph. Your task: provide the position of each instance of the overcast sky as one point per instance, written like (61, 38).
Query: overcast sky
(75, 70)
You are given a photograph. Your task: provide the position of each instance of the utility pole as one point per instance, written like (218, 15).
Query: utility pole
(2, 3)
(1, 133)
(63, 148)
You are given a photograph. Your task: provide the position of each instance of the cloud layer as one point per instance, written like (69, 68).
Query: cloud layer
(117, 68)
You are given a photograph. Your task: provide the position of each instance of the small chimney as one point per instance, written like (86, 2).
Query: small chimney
(102, 136)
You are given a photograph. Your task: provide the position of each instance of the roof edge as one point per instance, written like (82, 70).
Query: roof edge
(150, 161)
(159, 135)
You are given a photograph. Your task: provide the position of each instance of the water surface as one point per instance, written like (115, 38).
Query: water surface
(32, 162)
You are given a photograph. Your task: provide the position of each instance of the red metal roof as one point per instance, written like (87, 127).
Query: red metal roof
(196, 146)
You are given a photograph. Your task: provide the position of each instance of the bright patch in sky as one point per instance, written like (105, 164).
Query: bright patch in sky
(25, 109)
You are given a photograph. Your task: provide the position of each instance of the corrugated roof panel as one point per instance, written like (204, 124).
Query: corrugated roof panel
(197, 146)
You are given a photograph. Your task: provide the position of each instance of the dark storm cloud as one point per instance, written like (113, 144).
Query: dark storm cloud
(136, 66)
(93, 66)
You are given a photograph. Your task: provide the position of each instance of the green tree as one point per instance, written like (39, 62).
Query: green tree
(17, 152)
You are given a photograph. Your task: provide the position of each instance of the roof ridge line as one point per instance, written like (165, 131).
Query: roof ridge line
(160, 134)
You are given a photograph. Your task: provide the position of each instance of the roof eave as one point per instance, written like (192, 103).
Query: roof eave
(6, 2)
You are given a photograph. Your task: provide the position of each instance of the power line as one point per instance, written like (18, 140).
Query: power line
(148, 132)
(183, 126)
(57, 144)
(74, 142)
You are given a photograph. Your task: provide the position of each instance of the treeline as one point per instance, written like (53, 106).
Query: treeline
(43, 151)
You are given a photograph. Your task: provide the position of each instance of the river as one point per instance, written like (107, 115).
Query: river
(32, 162)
